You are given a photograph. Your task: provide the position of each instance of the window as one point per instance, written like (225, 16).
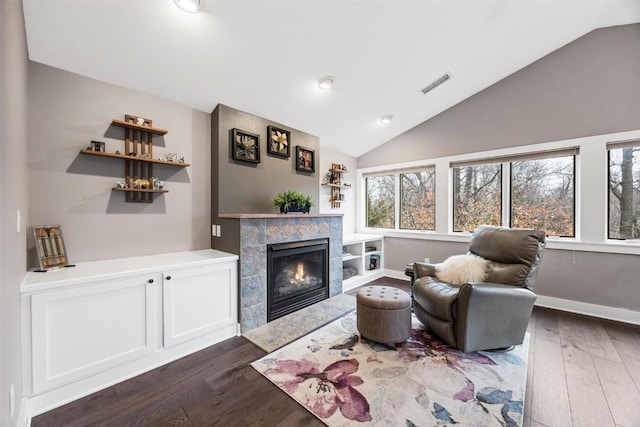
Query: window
(381, 191)
(542, 195)
(624, 187)
(418, 200)
(477, 196)
(540, 190)
(402, 199)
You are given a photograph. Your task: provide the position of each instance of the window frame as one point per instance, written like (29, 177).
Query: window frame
(573, 192)
(616, 145)
(452, 199)
(590, 189)
(397, 173)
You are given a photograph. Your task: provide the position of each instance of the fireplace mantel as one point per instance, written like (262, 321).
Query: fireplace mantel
(276, 215)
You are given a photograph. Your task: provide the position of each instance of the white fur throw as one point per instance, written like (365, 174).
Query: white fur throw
(460, 269)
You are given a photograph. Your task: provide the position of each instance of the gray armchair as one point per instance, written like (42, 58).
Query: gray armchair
(487, 315)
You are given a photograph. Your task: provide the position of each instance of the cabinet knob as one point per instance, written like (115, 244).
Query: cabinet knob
(168, 277)
(150, 280)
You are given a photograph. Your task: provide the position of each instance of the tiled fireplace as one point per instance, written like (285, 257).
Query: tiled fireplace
(258, 232)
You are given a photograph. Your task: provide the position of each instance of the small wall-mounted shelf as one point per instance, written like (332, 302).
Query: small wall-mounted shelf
(122, 156)
(139, 190)
(132, 125)
(334, 181)
(138, 158)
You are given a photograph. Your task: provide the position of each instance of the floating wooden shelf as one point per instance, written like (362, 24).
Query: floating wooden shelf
(129, 125)
(337, 185)
(138, 141)
(335, 182)
(139, 190)
(125, 157)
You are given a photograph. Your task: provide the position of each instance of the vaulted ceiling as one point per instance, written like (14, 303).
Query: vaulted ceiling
(266, 56)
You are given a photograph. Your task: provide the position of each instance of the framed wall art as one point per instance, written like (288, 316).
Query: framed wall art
(50, 247)
(278, 142)
(305, 160)
(245, 146)
(98, 146)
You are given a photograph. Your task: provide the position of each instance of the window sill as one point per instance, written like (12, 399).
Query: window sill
(559, 243)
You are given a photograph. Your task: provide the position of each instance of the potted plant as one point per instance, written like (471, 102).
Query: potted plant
(293, 201)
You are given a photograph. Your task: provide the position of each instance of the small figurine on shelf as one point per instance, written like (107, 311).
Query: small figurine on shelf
(142, 183)
(121, 184)
(118, 152)
(173, 157)
(157, 184)
(140, 121)
(144, 156)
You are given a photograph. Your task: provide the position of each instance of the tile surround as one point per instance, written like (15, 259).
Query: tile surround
(256, 233)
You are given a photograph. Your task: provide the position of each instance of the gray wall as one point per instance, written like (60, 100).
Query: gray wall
(67, 111)
(588, 87)
(247, 187)
(348, 207)
(596, 278)
(13, 196)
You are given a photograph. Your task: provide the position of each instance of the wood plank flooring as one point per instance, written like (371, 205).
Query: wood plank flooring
(582, 372)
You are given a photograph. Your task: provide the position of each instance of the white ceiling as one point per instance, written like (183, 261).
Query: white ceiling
(265, 56)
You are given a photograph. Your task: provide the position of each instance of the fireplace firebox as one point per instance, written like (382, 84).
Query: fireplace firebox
(297, 276)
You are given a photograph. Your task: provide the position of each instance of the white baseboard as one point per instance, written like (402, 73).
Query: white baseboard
(362, 279)
(23, 419)
(595, 310)
(395, 274)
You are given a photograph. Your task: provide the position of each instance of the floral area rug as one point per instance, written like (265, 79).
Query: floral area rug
(346, 381)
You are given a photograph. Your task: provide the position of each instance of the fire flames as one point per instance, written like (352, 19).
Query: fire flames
(300, 278)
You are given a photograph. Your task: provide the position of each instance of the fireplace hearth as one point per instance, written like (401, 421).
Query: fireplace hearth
(297, 276)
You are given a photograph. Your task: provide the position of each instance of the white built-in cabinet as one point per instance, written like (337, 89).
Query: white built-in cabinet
(96, 324)
(357, 253)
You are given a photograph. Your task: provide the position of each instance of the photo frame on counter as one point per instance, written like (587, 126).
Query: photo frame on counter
(50, 247)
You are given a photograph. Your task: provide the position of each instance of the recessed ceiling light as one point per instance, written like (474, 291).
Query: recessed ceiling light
(326, 82)
(190, 6)
(385, 120)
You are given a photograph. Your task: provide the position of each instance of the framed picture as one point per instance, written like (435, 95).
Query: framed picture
(97, 146)
(245, 146)
(278, 142)
(50, 247)
(305, 160)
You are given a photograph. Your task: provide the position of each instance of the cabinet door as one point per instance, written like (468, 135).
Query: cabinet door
(82, 331)
(198, 300)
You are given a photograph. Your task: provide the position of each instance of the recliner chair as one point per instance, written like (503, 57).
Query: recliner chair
(488, 315)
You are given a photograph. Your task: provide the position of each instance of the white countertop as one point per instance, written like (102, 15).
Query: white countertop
(359, 237)
(120, 267)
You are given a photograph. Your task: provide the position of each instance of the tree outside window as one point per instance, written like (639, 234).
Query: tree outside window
(477, 196)
(380, 201)
(418, 200)
(542, 195)
(624, 189)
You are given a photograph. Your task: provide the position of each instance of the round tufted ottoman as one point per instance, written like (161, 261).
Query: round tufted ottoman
(384, 314)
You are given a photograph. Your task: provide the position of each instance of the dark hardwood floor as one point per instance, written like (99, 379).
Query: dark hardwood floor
(582, 372)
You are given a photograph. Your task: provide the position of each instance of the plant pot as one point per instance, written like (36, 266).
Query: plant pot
(302, 209)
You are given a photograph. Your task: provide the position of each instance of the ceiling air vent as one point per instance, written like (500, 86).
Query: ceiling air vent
(443, 78)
